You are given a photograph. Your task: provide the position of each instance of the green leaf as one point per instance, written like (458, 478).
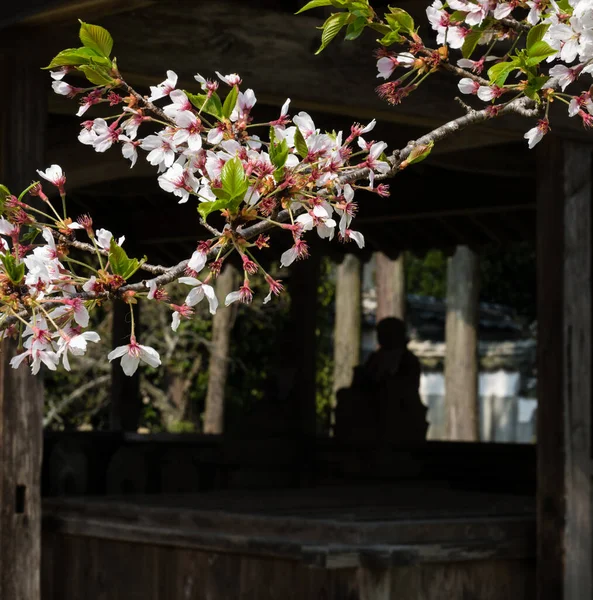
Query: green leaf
(211, 106)
(354, 5)
(120, 263)
(279, 174)
(470, 42)
(230, 101)
(381, 28)
(205, 208)
(535, 84)
(220, 193)
(96, 38)
(499, 72)
(419, 153)
(355, 28)
(96, 75)
(300, 143)
(391, 38)
(402, 18)
(457, 16)
(30, 236)
(331, 28)
(4, 193)
(313, 4)
(539, 52)
(278, 152)
(101, 61)
(71, 57)
(536, 33)
(15, 271)
(234, 181)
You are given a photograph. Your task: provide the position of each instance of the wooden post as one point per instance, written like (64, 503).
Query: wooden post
(126, 403)
(390, 283)
(22, 136)
(347, 322)
(461, 353)
(564, 194)
(222, 323)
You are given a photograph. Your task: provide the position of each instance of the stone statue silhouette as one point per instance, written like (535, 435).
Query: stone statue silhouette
(383, 403)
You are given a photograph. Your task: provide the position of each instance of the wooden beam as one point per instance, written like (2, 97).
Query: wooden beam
(239, 37)
(22, 132)
(461, 354)
(564, 500)
(57, 13)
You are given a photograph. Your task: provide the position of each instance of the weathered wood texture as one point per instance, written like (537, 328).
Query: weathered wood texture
(390, 283)
(398, 542)
(252, 39)
(94, 569)
(461, 336)
(347, 333)
(126, 403)
(564, 372)
(22, 129)
(222, 324)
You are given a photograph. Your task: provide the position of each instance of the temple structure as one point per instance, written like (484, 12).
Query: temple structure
(330, 519)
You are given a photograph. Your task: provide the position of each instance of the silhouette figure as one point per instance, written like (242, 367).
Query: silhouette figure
(383, 403)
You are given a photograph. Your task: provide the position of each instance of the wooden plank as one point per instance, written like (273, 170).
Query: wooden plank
(22, 129)
(564, 380)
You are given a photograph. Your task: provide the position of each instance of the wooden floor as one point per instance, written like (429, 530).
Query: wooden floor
(352, 542)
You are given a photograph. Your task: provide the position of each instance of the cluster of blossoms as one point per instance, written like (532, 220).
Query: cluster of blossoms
(205, 149)
(546, 46)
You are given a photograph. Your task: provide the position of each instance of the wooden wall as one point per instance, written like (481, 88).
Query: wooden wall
(94, 569)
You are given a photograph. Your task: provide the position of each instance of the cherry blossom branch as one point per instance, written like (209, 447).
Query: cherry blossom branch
(521, 106)
(143, 100)
(515, 25)
(177, 270)
(448, 66)
(62, 239)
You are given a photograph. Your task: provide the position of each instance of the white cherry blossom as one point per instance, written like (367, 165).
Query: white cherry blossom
(131, 354)
(163, 89)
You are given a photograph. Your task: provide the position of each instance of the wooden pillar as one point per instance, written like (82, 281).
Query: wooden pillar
(390, 286)
(564, 497)
(347, 322)
(22, 137)
(461, 353)
(222, 324)
(126, 403)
